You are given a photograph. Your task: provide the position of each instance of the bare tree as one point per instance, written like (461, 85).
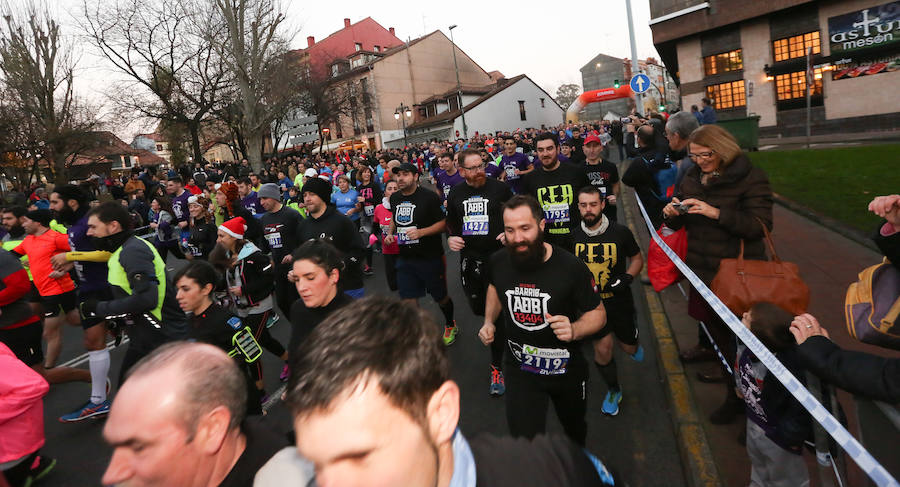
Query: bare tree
(566, 94)
(48, 121)
(326, 99)
(172, 70)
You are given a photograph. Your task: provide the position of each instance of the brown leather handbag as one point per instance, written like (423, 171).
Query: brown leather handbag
(742, 283)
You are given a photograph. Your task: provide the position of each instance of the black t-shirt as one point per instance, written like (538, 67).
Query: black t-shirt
(604, 176)
(419, 210)
(340, 231)
(561, 285)
(605, 254)
(555, 191)
(476, 215)
(262, 444)
(211, 326)
(371, 194)
(304, 320)
(202, 239)
(280, 232)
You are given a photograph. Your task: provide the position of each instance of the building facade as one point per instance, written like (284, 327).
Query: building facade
(601, 72)
(761, 58)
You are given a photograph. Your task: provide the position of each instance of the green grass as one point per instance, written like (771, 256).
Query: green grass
(837, 182)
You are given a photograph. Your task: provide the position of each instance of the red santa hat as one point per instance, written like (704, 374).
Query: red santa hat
(234, 227)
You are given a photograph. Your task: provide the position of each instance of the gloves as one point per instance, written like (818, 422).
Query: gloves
(88, 309)
(620, 283)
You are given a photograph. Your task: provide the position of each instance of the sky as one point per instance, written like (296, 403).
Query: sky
(529, 37)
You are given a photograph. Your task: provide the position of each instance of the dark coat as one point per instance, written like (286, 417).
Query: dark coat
(857, 372)
(742, 194)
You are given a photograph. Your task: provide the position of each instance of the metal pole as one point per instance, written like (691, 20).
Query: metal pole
(462, 111)
(638, 99)
(810, 79)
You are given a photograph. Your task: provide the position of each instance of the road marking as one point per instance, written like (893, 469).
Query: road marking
(75, 362)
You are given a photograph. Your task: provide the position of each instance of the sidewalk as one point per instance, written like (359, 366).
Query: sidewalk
(828, 263)
(886, 136)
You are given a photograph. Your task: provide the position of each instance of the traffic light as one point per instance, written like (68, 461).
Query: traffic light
(662, 108)
(616, 84)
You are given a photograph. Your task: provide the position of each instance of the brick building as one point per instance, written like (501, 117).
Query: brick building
(751, 58)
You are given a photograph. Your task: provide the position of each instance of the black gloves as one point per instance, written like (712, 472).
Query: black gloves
(620, 283)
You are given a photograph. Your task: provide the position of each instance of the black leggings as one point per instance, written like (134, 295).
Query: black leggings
(528, 396)
(257, 323)
(474, 272)
(390, 270)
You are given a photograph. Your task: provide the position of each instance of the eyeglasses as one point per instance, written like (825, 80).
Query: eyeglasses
(702, 155)
(474, 168)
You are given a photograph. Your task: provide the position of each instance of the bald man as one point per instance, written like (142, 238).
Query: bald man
(179, 420)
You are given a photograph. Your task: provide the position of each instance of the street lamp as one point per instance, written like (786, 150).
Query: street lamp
(458, 86)
(406, 111)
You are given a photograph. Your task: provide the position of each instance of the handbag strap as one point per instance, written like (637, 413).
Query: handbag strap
(768, 239)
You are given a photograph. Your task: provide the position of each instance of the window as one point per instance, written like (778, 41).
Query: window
(522, 109)
(370, 122)
(723, 62)
(796, 46)
(542, 103)
(454, 103)
(727, 95)
(793, 85)
(377, 48)
(334, 69)
(159, 147)
(358, 46)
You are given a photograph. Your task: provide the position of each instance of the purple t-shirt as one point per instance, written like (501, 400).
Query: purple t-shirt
(492, 170)
(251, 203)
(180, 206)
(444, 182)
(92, 276)
(509, 164)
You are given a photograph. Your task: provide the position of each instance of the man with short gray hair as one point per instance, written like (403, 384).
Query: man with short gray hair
(179, 420)
(678, 131)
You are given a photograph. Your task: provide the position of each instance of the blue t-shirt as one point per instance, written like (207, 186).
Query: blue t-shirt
(346, 202)
(92, 276)
(286, 182)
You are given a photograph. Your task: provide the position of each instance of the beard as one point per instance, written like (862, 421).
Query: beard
(66, 216)
(532, 257)
(590, 219)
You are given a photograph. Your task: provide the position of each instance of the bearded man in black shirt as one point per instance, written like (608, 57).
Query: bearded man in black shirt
(549, 302)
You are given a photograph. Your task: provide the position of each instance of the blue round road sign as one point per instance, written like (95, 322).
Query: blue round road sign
(640, 83)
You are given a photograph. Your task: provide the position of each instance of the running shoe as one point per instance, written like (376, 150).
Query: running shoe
(285, 373)
(638, 354)
(450, 333)
(611, 402)
(89, 410)
(41, 467)
(498, 385)
(368, 271)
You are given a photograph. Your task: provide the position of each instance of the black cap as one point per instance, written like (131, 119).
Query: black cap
(406, 166)
(44, 217)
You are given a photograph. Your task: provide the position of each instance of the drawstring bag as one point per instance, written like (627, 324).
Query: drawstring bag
(660, 269)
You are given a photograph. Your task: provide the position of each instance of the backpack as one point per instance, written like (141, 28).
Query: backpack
(665, 174)
(873, 304)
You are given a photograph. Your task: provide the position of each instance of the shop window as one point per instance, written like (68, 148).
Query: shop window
(796, 46)
(727, 95)
(723, 62)
(793, 85)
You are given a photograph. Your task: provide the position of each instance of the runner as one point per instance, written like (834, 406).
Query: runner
(12, 222)
(228, 201)
(417, 227)
(202, 237)
(179, 195)
(554, 184)
(541, 289)
(167, 238)
(447, 176)
(56, 288)
(325, 222)
(603, 245)
(514, 164)
(602, 174)
(212, 323)
(249, 276)
(369, 197)
(475, 224)
(383, 218)
(71, 207)
(280, 225)
(249, 197)
(142, 299)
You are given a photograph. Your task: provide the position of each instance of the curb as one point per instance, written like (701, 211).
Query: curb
(696, 456)
(830, 223)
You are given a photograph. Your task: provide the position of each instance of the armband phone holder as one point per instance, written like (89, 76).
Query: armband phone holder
(244, 342)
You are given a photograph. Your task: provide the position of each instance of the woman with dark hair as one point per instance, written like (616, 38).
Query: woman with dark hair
(202, 237)
(249, 277)
(166, 239)
(722, 201)
(369, 196)
(211, 323)
(316, 272)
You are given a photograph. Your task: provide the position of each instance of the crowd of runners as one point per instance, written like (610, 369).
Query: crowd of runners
(216, 254)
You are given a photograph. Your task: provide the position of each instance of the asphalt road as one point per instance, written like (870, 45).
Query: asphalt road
(639, 442)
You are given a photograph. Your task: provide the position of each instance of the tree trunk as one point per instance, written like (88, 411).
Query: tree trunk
(194, 128)
(254, 151)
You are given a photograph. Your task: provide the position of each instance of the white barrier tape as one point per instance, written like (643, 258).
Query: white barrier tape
(716, 348)
(854, 449)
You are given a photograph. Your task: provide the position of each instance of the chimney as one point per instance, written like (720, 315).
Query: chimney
(310, 41)
(346, 23)
(391, 29)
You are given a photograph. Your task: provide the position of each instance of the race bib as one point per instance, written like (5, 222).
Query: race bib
(274, 240)
(475, 225)
(544, 361)
(403, 239)
(556, 213)
(511, 172)
(369, 210)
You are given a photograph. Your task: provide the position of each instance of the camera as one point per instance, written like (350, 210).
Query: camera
(681, 207)
(626, 119)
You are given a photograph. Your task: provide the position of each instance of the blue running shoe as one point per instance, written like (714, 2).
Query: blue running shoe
(638, 354)
(611, 402)
(498, 385)
(89, 410)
